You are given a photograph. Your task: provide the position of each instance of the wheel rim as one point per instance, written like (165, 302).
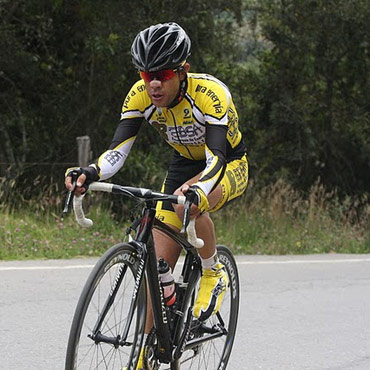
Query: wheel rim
(101, 355)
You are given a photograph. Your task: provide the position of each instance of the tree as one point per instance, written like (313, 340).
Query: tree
(65, 69)
(312, 91)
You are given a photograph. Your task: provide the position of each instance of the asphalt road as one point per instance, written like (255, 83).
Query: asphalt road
(301, 312)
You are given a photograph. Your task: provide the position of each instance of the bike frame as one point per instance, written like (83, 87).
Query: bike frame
(160, 311)
(144, 243)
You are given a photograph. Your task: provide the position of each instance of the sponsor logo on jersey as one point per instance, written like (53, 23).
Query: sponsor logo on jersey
(189, 134)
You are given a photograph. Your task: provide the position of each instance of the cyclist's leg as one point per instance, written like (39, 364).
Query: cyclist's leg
(232, 185)
(214, 279)
(166, 247)
(204, 225)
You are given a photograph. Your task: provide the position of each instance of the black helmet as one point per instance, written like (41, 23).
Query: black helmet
(162, 46)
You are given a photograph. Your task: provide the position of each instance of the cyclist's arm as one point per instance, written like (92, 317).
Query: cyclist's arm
(215, 149)
(132, 115)
(215, 110)
(113, 159)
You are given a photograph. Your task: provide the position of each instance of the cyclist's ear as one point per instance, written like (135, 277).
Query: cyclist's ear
(184, 70)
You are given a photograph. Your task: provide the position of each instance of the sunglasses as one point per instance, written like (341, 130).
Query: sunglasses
(163, 75)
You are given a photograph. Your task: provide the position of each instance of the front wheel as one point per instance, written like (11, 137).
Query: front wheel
(202, 351)
(107, 329)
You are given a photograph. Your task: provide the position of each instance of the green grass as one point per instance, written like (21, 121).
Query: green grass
(273, 220)
(258, 234)
(278, 220)
(28, 236)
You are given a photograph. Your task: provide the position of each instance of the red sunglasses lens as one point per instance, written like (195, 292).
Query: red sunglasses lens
(164, 75)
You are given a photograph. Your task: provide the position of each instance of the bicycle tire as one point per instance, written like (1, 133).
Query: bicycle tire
(82, 351)
(214, 354)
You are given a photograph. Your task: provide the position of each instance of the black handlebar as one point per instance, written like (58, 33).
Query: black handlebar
(148, 196)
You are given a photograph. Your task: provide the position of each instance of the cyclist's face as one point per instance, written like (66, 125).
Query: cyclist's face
(162, 93)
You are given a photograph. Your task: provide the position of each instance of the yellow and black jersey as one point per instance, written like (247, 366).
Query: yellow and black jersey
(202, 126)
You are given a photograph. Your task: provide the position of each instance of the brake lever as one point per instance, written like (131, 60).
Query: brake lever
(190, 198)
(188, 226)
(186, 218)
(70, 194)
(69, 199)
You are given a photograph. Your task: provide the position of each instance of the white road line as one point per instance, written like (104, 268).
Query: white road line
(273, 262)
(30, 268)
(268, 262)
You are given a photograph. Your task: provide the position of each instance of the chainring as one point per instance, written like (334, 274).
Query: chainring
(150, 359)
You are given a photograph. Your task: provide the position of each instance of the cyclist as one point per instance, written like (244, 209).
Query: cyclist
(195, 114)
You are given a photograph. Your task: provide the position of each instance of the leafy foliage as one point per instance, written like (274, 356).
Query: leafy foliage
(298, 72)
(312, 93)
(66, 68)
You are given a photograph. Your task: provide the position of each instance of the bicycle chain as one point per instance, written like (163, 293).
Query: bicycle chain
(150, 360)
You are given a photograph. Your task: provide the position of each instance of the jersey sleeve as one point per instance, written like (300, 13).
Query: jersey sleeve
(215, 106)
(215, 157)
(132, 116)
(113, 159)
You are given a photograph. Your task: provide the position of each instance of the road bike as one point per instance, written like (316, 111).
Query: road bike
(108, 324)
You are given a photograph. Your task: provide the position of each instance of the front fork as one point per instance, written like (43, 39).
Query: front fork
(96, 335)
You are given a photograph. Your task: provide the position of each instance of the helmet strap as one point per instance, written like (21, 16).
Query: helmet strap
(181, 94)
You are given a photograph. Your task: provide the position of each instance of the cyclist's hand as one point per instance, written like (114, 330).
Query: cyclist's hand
(83, 175)
(201, 205)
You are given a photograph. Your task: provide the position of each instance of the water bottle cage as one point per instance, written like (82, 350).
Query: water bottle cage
(165, 284)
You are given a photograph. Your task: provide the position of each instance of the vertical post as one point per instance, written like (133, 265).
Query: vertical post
(84, 150)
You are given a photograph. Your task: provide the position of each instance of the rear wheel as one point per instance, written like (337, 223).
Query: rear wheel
(112, 280)
(202, 352)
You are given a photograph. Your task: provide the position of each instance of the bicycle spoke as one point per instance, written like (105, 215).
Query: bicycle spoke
(104, 351)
